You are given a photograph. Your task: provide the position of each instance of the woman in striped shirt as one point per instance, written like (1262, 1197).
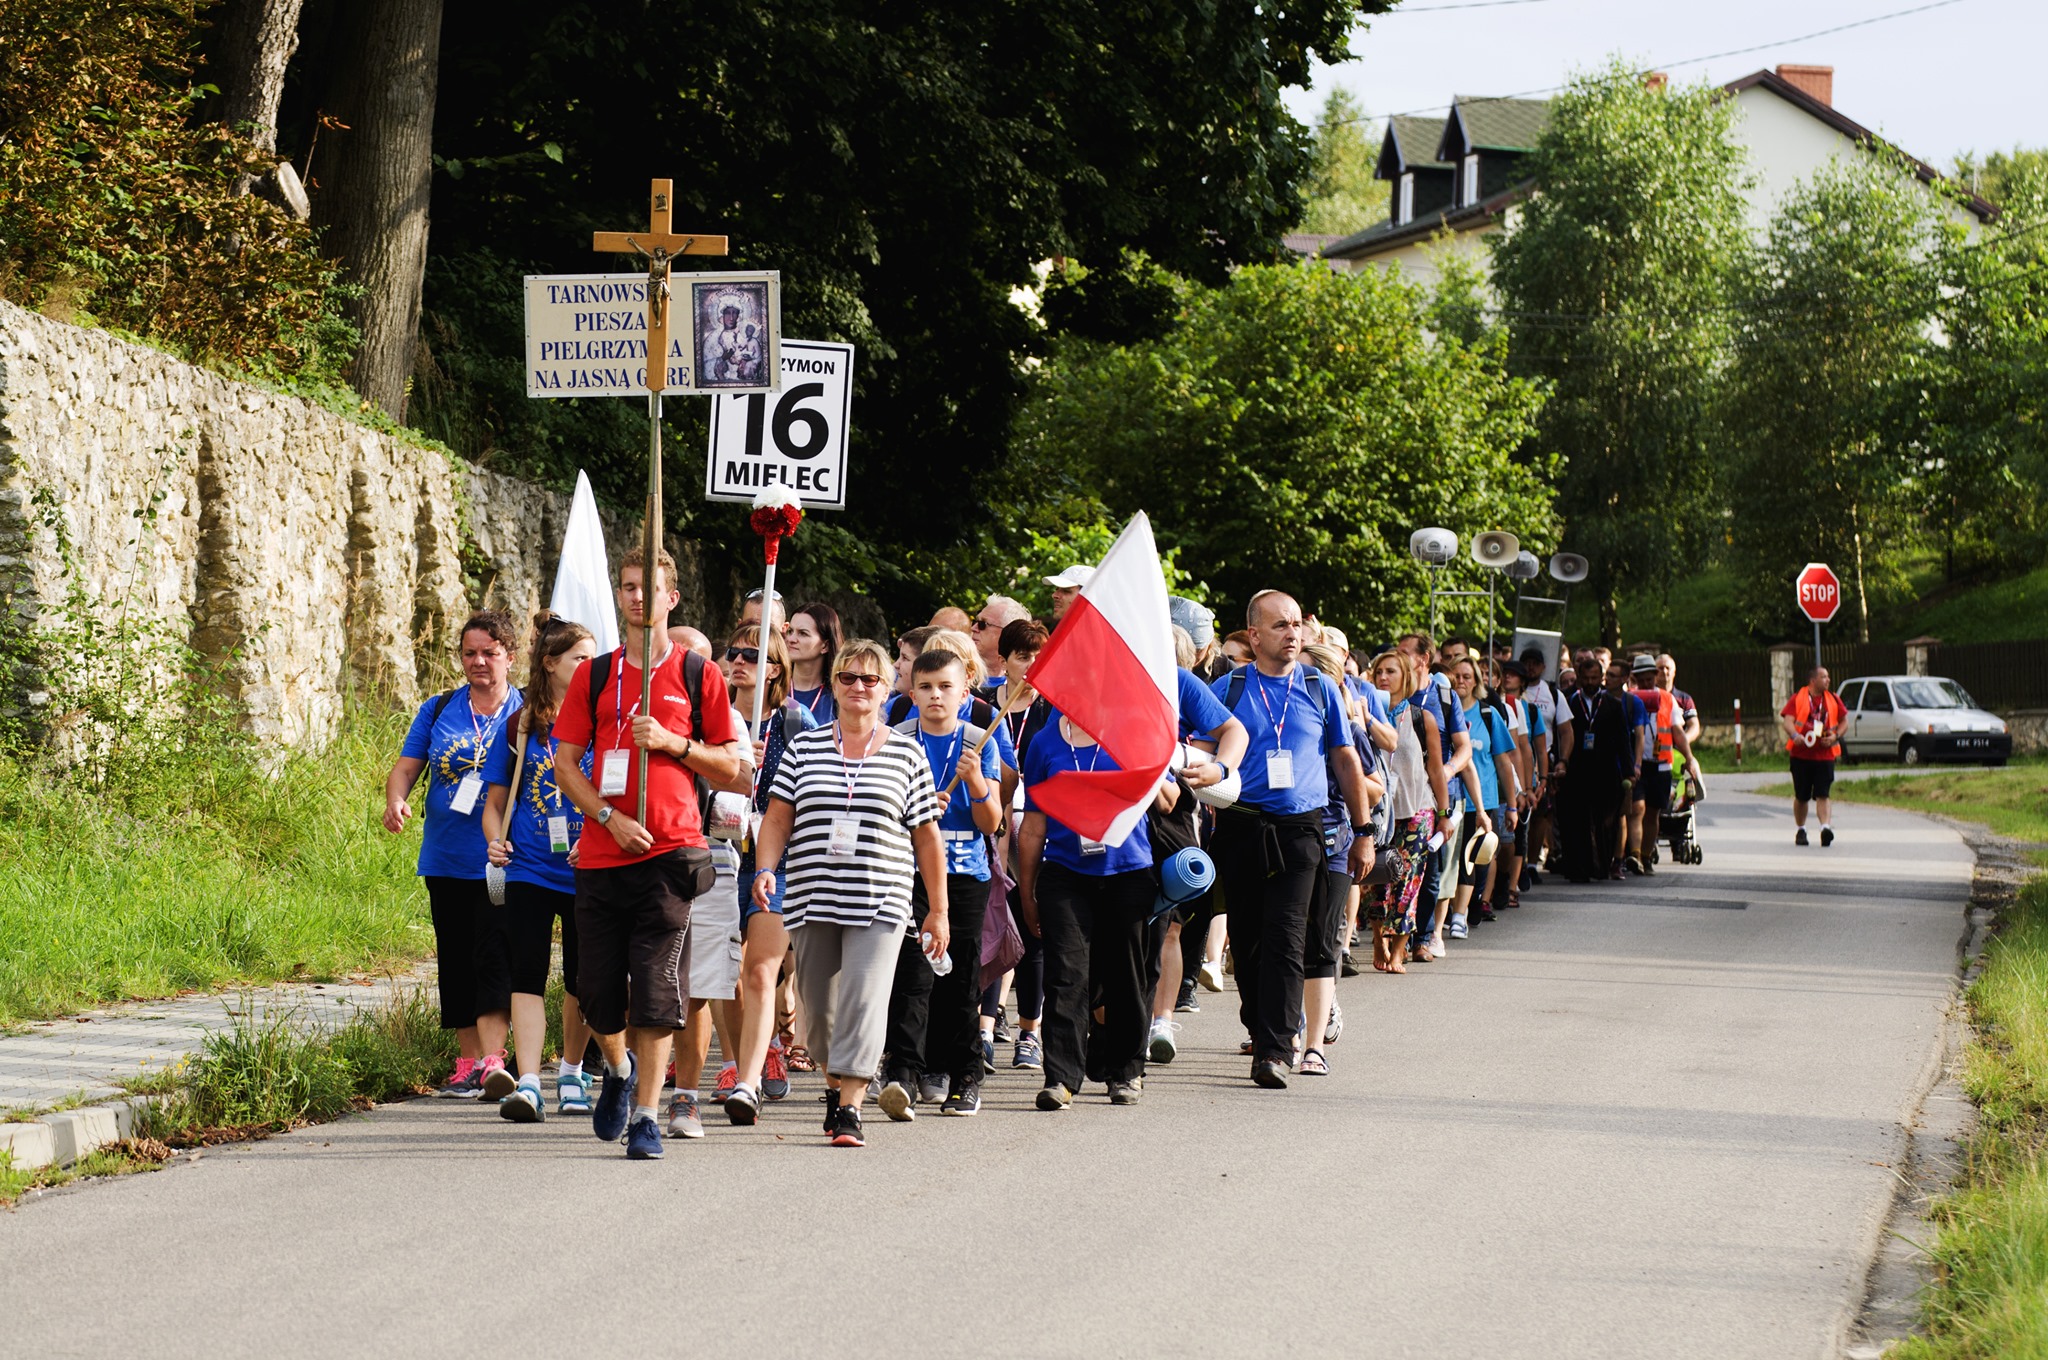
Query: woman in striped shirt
(854, 807)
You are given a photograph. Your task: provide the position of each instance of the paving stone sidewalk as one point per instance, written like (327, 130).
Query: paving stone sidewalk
(84, 1057)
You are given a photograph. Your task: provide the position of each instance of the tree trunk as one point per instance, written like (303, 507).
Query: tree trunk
(1610, 619)
(256, 39)
(378, 169)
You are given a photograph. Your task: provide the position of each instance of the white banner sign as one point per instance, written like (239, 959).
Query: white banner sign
(586, 334)
(794, 438)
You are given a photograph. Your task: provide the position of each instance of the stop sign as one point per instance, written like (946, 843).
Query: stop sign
(1819, 590)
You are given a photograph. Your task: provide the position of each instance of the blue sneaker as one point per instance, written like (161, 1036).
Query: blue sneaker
(643, 1141)
(572, 1094)
(614, 1104)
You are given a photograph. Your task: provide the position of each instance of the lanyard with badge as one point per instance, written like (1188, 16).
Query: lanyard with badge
(558, 822)
(844, 840)
(1088, 847)
(611, 781)
(472, 783)
(1593, 707)
(1279, 760)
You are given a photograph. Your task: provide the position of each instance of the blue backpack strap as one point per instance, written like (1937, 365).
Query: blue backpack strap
(1234, 691)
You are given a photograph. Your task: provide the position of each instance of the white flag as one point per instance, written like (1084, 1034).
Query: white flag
(583, 580)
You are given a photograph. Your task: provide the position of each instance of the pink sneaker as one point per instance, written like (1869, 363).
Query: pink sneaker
(464, 1083)
(775, 1074)
(494, 1078)
(728, 1078)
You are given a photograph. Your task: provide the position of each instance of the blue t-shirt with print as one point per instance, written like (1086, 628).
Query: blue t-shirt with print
(1301, 710)
(529, 806)
(966, 844)
(1050, 754)
(453, 745)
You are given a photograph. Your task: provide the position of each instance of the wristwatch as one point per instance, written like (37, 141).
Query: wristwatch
(1361, 828)
(604, 814)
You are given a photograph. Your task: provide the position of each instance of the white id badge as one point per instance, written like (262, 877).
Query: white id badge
(1089, 847)
(611, 779)
(845, 838)
(466, 792)
(558, 834)
(1280, 769)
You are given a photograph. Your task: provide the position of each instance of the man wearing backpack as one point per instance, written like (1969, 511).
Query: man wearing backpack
(1269, 845)
(635, 880)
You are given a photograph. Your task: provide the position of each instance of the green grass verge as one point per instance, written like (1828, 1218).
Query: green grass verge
(2012, 801)
(1990, 1293)
(282, 1072)
(218, 875)
(116, 1159)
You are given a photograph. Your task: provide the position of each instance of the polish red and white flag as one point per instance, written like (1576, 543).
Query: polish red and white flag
(1109, 669)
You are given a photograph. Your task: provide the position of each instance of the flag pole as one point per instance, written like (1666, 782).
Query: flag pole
(1016, 692)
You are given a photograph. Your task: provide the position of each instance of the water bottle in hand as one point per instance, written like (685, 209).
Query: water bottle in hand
(941, 965)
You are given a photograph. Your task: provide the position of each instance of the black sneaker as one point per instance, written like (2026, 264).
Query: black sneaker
(1347, 966)
(1002, 1030)
(1185, 1003)
(1270, 1074)
(1126, 1092)
(964, 1099)
(846, 1127)
(1799, 837)
(1827, 835)
(831, 1099)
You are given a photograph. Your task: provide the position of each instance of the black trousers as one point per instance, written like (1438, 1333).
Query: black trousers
(1587, 806)
(935, 1022)
(1096, 939)
(1194, 934)
(1268, 868)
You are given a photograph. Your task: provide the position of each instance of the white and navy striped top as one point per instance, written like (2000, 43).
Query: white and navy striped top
(888, 793)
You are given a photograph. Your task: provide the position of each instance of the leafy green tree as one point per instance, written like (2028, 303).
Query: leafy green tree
(1342, 196)
(1291, 431)
(1615, 287)
(2007, 178)
(1988, 401)
(905, 165)
(1834, 354)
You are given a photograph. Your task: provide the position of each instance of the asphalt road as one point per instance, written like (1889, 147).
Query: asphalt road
(1629, 1120)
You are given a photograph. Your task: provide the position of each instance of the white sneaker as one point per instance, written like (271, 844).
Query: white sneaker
(1211, 975)
(1162, 1046)
(1436, 944)
(1334, 1029)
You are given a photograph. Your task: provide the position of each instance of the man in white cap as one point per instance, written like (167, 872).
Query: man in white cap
(1066, 588)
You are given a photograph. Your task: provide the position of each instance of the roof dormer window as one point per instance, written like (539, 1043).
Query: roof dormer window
(1404, 199)
(1468, 179)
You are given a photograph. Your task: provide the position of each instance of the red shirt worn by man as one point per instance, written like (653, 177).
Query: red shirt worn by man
(1821, 719)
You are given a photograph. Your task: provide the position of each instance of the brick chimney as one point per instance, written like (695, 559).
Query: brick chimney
(1656, 80)
(1818, 81)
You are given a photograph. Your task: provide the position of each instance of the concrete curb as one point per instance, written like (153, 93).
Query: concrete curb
(62, 1138)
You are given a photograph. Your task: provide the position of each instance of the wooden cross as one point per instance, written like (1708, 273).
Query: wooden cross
(657, 244)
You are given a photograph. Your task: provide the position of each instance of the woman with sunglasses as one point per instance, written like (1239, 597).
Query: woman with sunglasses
(759, 1067)
(853, 806)
(813, 636)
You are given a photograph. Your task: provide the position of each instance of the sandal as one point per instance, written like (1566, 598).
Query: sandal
(1313, 1064)
(798, 1059)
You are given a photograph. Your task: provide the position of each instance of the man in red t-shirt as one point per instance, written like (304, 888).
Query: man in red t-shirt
(635, 881)
(1812, 720)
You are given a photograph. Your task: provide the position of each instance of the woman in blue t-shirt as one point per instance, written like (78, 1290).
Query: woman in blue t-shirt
(534, 845)
(1092, 905)
(449, 737)
(813, 640)
(1493, 749)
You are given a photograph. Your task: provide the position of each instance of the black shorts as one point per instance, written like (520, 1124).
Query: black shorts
(1811, 779)
(1653, 790)
(458, 906)
(633, 922)
(518, 944)
(1323, 941)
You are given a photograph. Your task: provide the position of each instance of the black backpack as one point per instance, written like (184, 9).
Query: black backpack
(980, 712)
(693, 686)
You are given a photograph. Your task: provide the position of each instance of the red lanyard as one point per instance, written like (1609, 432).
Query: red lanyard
(1279, 725)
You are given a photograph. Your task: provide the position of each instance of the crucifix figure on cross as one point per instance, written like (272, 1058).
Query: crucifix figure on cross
(658, 245)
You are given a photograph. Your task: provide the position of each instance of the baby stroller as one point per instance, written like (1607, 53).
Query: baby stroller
(1676, 824)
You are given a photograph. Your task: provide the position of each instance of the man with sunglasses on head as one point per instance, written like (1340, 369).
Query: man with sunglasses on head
(750, 611)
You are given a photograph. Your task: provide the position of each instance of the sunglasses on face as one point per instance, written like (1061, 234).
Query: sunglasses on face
(750, 655)
(855, 680)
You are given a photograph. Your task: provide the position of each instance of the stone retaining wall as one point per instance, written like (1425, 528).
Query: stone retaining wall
(319, 555)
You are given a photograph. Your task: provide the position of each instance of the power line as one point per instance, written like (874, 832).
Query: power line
(1465, 4)
(1657, 66)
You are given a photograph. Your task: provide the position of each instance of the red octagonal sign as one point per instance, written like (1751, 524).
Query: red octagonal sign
(1820, 591)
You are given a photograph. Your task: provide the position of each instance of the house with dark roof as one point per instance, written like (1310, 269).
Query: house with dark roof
(1456, 180)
